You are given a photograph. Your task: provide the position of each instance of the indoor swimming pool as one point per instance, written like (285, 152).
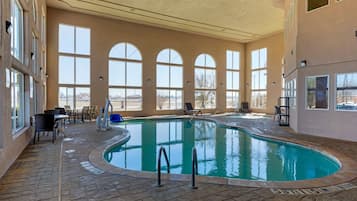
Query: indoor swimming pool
(222, 151)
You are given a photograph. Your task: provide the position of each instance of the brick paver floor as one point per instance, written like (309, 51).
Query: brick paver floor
(47, 171)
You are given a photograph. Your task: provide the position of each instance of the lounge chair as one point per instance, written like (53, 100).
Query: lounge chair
(245, 108)
(189, 110)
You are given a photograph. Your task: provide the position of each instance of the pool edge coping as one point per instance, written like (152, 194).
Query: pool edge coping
(345, 174)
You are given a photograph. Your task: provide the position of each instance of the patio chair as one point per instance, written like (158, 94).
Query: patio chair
(71, 113)
(45, 123)
(60, 110)
(93, 111)
(85, 113)
(245, 108)
(50, 112)
(277, 113)
(190, 111)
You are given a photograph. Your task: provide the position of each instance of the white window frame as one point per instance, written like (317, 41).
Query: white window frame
(205, 68)
(15, 129)
(328, 93)
(170, 88)
(232, 70)
(290, 91)
(21, 32)
(43, 25)
(35, 66)
(335, 93)
(34, 11)
(75, 55)
(125, 86)
(258, 69)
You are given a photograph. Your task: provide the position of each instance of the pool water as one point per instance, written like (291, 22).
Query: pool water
(221, 151)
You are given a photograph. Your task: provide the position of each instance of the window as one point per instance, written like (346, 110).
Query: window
(315, 4)
(35, 98)
(169, 80)
(291, 92)
(232, 79)
(205, 82)
(125, 77)
(259, 78)
(17, 100)
(74, 66)
(283, 84)
(34, 11)
(43, 26)
(31, 87)
(34, 55)
(17, 33)
(66, 96)
(43, 64)
(1, 6)
(346, 92)
(317, 92)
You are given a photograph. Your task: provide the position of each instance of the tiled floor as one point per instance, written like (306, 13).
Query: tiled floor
(61, 171)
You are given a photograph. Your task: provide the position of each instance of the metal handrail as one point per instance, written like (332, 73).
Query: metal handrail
(162, 150)
(194, 168)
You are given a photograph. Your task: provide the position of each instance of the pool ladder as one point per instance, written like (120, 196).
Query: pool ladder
(162, 150)
(194, 167)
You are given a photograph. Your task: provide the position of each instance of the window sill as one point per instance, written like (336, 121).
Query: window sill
(352, 111)
(311, 109)
(20, 132)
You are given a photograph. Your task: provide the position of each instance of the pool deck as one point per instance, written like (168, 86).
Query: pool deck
(67, 170)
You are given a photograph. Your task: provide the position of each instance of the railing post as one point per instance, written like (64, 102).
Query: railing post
(162, 150)
(194, 168)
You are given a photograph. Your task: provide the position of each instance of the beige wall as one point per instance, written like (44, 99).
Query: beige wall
(275, 47)
(326, 39)
(289, 62)
(105, 33)
(11, 145)
(290, 36)
(327, 35)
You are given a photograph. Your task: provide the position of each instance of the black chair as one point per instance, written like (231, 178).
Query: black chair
(189, 110)
(245, 107)
(277, 112)
(60, 110)
(50, 112)
(45, 123)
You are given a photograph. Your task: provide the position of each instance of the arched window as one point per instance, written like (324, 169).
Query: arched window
(169, 80)
(205, 82)
(125, 77)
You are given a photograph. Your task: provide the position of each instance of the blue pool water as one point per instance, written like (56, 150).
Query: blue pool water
(222, 151)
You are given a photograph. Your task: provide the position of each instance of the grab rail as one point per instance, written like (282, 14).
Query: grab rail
(194, 168)
(162, 150)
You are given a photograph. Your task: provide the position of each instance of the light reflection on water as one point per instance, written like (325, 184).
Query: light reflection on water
(221, 151)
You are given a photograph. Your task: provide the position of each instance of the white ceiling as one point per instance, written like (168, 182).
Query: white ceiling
(238, 20)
